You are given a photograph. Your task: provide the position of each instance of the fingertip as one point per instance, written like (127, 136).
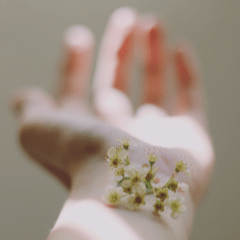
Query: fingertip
(185, 64)
(79, 37)
(124, 16)
(21, 97)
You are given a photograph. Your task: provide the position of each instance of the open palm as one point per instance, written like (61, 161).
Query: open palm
(56, 132)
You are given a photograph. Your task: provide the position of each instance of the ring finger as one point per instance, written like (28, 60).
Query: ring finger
(153, 60)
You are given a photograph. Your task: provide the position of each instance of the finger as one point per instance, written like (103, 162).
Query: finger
(28, 102)
(153, 59)
(113, 73)
(190, 100)
(79, 46)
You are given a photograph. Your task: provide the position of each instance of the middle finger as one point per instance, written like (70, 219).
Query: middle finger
(113, 73)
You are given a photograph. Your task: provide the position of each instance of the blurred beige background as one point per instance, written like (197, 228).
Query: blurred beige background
(30, 49)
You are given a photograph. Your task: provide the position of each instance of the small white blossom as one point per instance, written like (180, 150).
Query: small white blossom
(118, 178)
(183, 187)
(135, 200)
(176, 205)
(125, 142)
(152, 157)
(135, 178)
(126, 186)
(119, 173)
(116, 156)
(139, 188)
(130, 170)
(143, 172)
(113, 195)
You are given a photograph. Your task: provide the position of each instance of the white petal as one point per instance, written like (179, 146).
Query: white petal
(119, 190)
(184, 187)
(181, 199)
(130, 170)
(143, 172)
(118, 178)
(139, 188)
(111, 152)
(123, 154)
(170, 200)
(126, 183)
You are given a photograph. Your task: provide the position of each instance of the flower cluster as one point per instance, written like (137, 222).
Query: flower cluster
(132, 185)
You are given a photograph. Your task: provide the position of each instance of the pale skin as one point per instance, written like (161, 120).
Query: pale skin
(68, 135)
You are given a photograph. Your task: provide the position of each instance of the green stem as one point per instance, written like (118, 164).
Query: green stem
(168, 182)
(154, 193)
(120, 182)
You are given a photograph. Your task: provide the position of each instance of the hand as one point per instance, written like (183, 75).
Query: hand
(65, 134)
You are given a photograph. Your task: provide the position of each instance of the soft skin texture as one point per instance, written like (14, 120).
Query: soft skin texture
(69, 134)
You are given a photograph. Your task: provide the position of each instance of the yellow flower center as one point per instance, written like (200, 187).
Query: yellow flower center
(162, 194)
(180, 167)
(115, 162)
(159, 206)
(149, 176)
(127, 190)
(173, 185)
(175, 205)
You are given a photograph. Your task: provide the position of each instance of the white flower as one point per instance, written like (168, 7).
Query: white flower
(118, 178)
(116, 156)
(182, 167)
(134, 201)
(176, 206)
(126, 186)
(152, 157)
(111, 152)
(183, 187)
(119, 173)
(113, 195)
(139, 188)
(126, 183)
(130, 170)
(135, 178)
(143, 172)
(125, 142)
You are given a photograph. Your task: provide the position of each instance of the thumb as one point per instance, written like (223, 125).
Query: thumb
(28, 102)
